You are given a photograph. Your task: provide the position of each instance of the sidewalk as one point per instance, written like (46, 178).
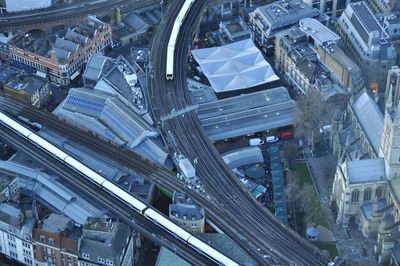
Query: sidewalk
(356, 250)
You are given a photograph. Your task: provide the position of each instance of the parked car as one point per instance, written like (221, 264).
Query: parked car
(271, 139)
(256, 142)
(286, 135)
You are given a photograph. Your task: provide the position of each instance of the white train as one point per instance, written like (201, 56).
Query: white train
(113, 189)
(174, 36)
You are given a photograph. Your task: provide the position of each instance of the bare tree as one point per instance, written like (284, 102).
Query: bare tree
(313, 113)
(290, 152)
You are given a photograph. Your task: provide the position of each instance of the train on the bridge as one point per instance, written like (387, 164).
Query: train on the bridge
(113, 189)
(174, 36)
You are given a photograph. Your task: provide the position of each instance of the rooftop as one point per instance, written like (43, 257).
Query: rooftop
(318, 32)
(247, 113)
(367, 170)
(234, 66)
(370, 118)
(98, 224)
(243, 156)
(56, 223)
(184, 207)
(283, 13)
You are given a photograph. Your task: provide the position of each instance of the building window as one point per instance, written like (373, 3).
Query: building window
(86, 256)
(378, 192)
(42, 239)
(354, 196)
(367, 194)
(109, 262)
(51, 241)
(101, 260)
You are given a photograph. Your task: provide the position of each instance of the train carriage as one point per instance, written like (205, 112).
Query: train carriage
(126, 197)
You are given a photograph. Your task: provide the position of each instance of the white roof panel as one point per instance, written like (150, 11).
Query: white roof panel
(234, 66)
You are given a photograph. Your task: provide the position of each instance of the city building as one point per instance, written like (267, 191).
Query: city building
(57, 240)
(138, 25)
(16, 225)
(366, 185)
(187, 213)
(367, 43)
(297, 59)
(391, 24)
(106, 242)
(267, 21)
(33, 89)
(331, 8)
(9, 187)
(382, 6)
(60, 56)
(233, 31)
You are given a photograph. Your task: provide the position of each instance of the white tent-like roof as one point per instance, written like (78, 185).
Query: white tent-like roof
(234, 66)
(23, 5)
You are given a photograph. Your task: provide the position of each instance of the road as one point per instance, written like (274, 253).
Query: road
(251, 225)
(64, 13)
(138, 222)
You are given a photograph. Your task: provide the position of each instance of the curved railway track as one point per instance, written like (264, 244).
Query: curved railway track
(270, 241)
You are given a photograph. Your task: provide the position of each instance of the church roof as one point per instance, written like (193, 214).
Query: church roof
(363, 171)
(370, 118)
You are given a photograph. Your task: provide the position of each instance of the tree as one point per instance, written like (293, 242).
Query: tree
(290, 154)
(312, 114)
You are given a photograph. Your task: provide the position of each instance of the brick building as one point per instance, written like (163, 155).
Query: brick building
(60, 58)
(57, 241)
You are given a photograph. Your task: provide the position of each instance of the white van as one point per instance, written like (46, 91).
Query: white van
(256, 142)
(271, 139)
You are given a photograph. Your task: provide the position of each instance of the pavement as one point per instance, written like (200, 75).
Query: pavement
(352, 245)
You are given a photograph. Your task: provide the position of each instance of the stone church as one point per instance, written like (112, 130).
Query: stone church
(366, 187)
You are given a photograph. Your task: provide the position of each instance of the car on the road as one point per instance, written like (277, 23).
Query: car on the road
(271, 139)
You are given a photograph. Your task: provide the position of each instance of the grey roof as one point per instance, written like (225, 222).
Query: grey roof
(55, 223)
(234, 66)
(77, 37)
(125, 178)
(368, 207)
(30, 84)
(66, 45)
(247, 113)
(167, 258)
(10, 214)
(219, 241)
(364, 171)
(51, 192)
(121, 122)
(111, 248)
(370, 118)
(200, 93)
(281, 14)
(94, 66)
(134, 21)
(321, 34)
(184, 207)
(366, 17)
(243, 156)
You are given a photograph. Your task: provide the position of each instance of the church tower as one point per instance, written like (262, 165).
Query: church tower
(390, 139)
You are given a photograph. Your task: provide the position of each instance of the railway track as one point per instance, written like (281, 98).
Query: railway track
(123, 212)
(271, 241)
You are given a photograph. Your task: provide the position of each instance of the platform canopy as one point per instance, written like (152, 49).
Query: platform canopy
(234, 66)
